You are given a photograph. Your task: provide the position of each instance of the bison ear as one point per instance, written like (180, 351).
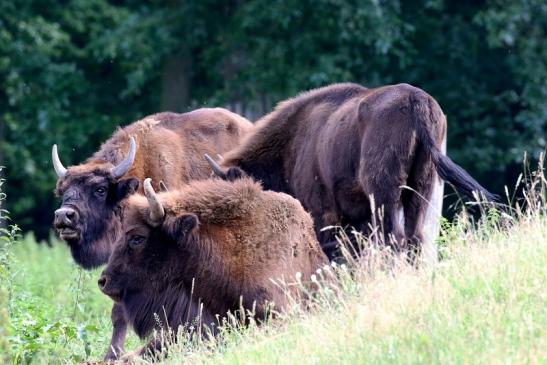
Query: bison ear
(126, 187)
(235, 173)
(179, 227)
(230, 174)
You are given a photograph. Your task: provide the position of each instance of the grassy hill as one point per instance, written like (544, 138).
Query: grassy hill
(485, 302)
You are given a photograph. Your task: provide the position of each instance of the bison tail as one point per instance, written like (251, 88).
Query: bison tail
(428, 116)
(460, 179)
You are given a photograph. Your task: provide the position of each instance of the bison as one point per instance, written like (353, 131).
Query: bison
(166, 146)
(335, 147)
(190, 256)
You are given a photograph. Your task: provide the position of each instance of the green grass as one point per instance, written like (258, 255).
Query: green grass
(58, 314)
(485, 303)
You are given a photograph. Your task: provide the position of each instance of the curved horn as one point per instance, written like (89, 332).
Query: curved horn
(59, 168)
(125, 165)
(157, 213)
(215, 166)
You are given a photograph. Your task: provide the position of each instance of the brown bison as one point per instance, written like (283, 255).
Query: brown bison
(166, 146)
(335, 147)
(210, 248)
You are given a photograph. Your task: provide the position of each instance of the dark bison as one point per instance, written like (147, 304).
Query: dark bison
(190, 255)
(168, 147)
(335, 147)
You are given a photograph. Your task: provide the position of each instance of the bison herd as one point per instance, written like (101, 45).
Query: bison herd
(194, 214)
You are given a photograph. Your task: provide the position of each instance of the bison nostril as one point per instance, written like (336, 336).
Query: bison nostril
(66, 216)
(102, 281)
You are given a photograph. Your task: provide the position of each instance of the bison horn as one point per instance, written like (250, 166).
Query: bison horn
(157, 213)
(59, 168)
(124, 166)
(215, 166)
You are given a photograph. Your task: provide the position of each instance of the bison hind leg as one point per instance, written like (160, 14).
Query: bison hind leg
(415, 200)
(385, 200)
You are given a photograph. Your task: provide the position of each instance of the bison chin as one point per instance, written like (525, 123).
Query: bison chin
(69, 234)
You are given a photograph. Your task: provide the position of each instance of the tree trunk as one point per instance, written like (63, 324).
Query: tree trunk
(175, 83)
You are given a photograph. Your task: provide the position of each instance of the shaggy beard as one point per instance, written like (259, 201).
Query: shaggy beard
(167, 309)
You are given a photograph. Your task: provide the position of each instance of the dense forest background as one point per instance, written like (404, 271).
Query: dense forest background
(71, 71)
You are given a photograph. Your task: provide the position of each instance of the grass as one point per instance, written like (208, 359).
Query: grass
(58, 314)
(485, 302)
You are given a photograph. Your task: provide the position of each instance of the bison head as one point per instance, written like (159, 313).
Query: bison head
(145, 269)
(90, 194)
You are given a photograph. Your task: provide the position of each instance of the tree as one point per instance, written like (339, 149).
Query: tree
(72, 71)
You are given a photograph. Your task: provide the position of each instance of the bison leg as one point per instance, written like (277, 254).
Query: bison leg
(387, 217)
(416, 200)
(119, 324)
(386, 192)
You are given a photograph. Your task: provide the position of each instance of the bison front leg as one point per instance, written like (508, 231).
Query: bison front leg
(119, 330)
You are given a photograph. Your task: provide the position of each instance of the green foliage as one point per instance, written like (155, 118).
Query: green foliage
(7, 241)
(57, 313)
(70, 72)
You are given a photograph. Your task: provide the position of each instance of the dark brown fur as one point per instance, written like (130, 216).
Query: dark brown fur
(225, 240)
(170, 148)
(334, 147)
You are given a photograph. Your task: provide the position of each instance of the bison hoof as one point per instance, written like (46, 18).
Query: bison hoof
(112, 355)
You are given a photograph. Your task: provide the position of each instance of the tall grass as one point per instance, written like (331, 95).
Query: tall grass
(484, 302)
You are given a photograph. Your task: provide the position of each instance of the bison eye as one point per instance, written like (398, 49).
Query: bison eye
(101, 190)
(136, 241)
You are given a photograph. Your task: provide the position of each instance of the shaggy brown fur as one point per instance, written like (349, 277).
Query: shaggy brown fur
(170, 148)
(225, 240)
(334, 147)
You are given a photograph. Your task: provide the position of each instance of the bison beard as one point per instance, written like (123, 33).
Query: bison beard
(173, 307)
(333, 148)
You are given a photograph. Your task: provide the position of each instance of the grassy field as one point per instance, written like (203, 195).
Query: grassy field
(485, 302)
(58, 313)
